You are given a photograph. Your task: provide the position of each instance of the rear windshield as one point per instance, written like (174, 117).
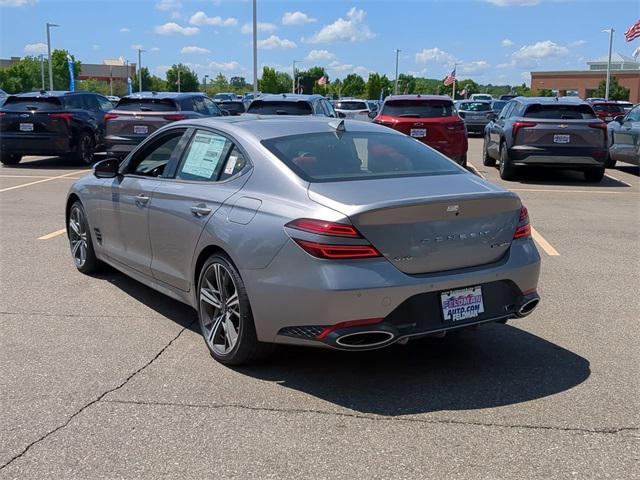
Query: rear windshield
(418, 108)
(220, 97)
(351, 106)
(327, 157)
(276, 107)
(497, 106)
(562, 112)
(475, 106)
(481, 97)
(232, 106)
(21, 104)
(147, 105)
(609, 108)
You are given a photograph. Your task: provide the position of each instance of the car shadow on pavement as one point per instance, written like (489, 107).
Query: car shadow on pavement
(631, 169)
(54, 163)
(492, 366)
(550, 176)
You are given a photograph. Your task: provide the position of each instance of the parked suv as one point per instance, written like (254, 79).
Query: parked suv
(292, 104)
(138, 115)
(624, 138)
(353, 108)
(549, 132)
(607, 111)
(475, 114)
(52, 123)
(431, 119)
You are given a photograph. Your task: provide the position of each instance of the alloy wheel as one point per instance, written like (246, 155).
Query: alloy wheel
(219, 309)
(78, 237)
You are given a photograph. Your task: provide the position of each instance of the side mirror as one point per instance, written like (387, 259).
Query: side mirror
(492, 116)
(341, 115)
(107, 168)
(372, 115)
(619, 119)
(225, 113)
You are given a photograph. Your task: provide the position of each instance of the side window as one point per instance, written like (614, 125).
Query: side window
(105, 104)
(204, 157)
(634, 115)
(518, 110)
(211, 108)
(234, 164)
(152, 161)
(91, 103)
(187, 104)
(318, 108)
(506, 110)
(74, 101)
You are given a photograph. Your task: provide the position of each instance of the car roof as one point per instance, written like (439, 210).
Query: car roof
(418, 97)
(164, 95)
(48, 93)
(262, 127)
(468, 100)
(552, 100)
(287, 97)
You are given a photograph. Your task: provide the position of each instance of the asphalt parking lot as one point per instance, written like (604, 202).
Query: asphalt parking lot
(105, 378)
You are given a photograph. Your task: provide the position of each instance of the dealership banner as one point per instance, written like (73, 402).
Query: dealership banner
(72, 80)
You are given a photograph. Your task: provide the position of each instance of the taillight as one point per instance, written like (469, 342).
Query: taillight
(518, 125)
(2, 114)
(600, 125)
(459, 127)
(320, 227)
(334, 250)
(524, 228)
(67, 117)
(174, 118)
(110, 116)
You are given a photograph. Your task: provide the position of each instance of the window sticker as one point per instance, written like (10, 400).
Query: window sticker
(231, 164)
(204, 155)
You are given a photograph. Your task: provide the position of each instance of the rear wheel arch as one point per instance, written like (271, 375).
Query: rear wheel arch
(204, 254)
(73, 198)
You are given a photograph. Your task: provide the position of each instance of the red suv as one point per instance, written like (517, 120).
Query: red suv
(432, 119)
(607, 111)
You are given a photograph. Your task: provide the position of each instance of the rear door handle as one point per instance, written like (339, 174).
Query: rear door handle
(141, 199)
(200, 210)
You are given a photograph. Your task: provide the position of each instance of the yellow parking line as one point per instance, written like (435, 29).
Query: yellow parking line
(618, 180)
(53, 234)
(25, 176)
(41, 181)
(546, 246)
(475, 170)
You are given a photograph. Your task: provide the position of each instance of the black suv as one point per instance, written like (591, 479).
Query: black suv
(292, 104)
(52, 123)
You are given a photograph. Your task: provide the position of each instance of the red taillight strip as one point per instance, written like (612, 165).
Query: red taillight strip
(67, 117)
(337, 252)
(518, 125)
(321, 227)
(110, 116)
(174, 118)
(524, 228)
(350, 323)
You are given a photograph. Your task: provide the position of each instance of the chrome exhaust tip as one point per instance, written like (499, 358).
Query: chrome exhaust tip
(528, 306)
(365, 339)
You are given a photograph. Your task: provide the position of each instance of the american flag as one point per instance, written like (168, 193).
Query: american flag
(450, 78)
(322, 80)
(633, 32)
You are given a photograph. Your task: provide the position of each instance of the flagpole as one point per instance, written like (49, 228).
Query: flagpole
(454, 81)
(606, 91)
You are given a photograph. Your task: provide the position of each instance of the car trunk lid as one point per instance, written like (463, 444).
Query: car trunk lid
(35, 116)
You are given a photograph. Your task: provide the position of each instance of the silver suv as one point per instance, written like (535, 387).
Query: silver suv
(545, 131)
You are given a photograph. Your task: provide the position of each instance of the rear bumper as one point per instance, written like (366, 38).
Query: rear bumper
(475, 127)
(568, 157)
(454, 150)
(35, 144)
(121, 145)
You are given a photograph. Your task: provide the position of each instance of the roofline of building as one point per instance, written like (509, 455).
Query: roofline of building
(630, 71)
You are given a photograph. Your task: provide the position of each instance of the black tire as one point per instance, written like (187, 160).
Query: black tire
(610, 162)
(10, 158)
(247, 348)
(507, 170)
(463, 161)
(87, 263)
(487, 160)
(84, 150)
(594, 175)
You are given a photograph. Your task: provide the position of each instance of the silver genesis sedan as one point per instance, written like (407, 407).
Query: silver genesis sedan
(308, 231)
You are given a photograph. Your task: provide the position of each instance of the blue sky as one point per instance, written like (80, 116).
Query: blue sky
(496, 41)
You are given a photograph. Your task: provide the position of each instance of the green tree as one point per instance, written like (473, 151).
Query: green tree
(269, 81)
(522, 90)
(406, 84)
(427, 86)
(377, 84)
(353, 85)
(616, 91)
(220, 83)
(93, 85)
(544, 92)
(22, 76)
(238, 83)
(146, 81)
(188, 79)
(61, 69)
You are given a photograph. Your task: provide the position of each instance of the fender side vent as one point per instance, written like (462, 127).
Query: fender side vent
(98, 234)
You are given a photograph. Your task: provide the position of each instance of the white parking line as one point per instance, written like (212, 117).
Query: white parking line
(53, 234)
(546, 246)
(42, 181)
(25, 176)
(557, 190)
(618, 180)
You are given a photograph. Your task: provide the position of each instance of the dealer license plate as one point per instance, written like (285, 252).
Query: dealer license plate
(418, 132)
(26, 127)
(140, 129)
(561, 138)
(463, 304)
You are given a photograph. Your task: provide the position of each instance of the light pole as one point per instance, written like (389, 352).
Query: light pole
(42, 69)
(140, 50)
(49, 25)
(204, 79)
(396, 86)
(293, 83)
(606, 90)
(178, 79)
(255, 49)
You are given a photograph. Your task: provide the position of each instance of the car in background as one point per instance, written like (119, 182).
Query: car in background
(607, 111)
(626, 106)
(224, 97)
(508, 96)
(475, 114)
(138, 115)
(498, 105)
(353, 108)
(546, 132)
(485, 97)
(3, 97)
(113, 99)
(624, 138)
(430, 119)
(292, 104)
(285, 230)
(374, 105)
(233, 107)
(56, 123)
(596, 99)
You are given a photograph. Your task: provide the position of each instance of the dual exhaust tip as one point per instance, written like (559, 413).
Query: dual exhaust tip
(527, 305)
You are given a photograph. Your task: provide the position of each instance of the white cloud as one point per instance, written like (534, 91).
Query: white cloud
(172, 28)
(95, 46)
(514, 3)
(262, 27)
(201, 18)
(35, 48)
(477, 67)
(194, 50)
(275, 42)
(506, 43)
(225, 66)
(347, 68)
(161, 70)
(166, 5)
(136, 46)
(124, 30)
(434, 55)
(578, 43)
(154, 49)
(531, 54)
(350, 29)
(320, 55)
(296, 18)
(17, 3)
